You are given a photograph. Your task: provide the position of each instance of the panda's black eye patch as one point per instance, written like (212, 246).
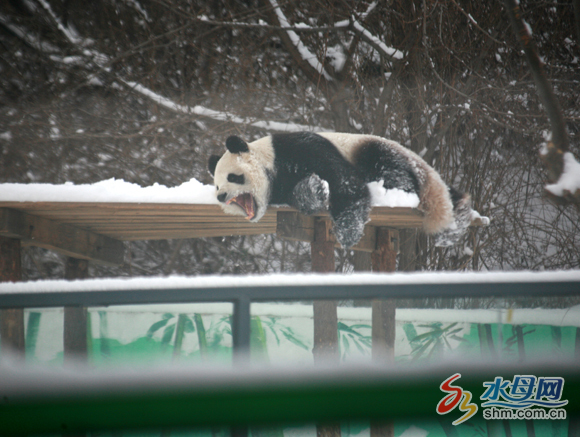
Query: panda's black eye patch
(236, 178)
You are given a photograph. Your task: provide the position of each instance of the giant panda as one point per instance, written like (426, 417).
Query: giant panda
(330, 171)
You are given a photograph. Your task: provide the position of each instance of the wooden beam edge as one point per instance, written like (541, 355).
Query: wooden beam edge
(292, 225)
(60, 237)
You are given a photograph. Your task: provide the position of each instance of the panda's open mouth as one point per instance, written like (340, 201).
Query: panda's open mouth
(247, 203)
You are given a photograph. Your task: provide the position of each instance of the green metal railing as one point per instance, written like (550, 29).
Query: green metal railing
(56, 402)
(72, 401)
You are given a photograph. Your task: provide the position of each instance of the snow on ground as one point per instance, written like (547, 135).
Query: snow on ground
(569, 180)
(287, 280)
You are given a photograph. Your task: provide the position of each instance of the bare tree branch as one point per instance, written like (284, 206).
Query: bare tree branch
(559, 143)
(307, 61)
(560, 163)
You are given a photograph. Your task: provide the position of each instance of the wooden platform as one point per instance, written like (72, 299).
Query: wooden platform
(155, 221)
(96, 230)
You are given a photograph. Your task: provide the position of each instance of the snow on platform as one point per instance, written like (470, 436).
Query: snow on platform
(126, 211)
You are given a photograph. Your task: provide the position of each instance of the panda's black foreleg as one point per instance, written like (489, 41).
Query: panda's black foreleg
(347, 200)
(311, 195)
(349, 209)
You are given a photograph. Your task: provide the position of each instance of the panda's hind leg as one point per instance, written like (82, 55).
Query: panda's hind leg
(350, 205)
(462, 213)
(311, 195)
(349, 224)
(349, 212)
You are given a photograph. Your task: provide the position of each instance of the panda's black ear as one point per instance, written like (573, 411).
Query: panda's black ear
(213, 160)
(236, 145)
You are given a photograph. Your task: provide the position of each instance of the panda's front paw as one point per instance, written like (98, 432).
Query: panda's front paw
(311, 195)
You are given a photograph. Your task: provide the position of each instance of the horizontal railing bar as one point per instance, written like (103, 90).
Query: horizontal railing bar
(45, 401)
(16, 299)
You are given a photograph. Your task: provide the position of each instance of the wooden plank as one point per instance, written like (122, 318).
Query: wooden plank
(169, 235)
(153, 221)
(176, 226)
(66, 239)
(295, 226)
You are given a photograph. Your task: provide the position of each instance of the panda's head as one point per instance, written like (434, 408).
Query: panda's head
(242, 177)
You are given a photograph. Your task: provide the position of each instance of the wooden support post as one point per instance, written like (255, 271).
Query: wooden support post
(384, 259)
(362, 263)
(11, 320)
(325, 314)
(75, 318)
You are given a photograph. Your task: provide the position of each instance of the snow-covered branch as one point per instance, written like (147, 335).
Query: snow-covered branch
(298, 28)
(28, 37)
(95, 62)
(306, 55)
(70, 34)
(217, 115)
(139, 8)
(376, 43)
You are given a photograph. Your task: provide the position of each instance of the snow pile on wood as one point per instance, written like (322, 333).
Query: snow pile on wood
(380, 196)
(190, 192)
(110, 190)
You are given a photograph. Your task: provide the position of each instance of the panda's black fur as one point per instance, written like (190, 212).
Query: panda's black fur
(313, 172)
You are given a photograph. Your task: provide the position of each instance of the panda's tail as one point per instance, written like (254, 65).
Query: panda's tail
(435, 202)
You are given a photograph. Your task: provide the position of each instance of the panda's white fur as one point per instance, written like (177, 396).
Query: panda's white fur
(255, 166)
(274, 167)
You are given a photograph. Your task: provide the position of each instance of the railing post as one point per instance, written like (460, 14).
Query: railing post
(75, 317)
(11, 320)
(241, 318)
(325, 314)
(384, 259)
(241, 329)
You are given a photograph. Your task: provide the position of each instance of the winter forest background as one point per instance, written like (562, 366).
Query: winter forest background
(80, 88)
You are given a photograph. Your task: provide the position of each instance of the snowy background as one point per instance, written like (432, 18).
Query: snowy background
(144, 92)
(108, 98)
